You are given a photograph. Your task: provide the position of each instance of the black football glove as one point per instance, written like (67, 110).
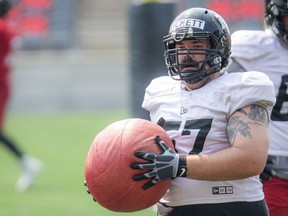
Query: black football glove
(165, 165)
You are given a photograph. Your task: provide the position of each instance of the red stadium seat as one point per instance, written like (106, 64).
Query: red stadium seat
(34, 25)
(37, 4)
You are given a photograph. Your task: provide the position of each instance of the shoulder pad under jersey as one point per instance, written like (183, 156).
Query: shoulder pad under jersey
(248, 44)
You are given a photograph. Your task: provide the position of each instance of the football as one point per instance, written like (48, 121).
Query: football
(108, 175)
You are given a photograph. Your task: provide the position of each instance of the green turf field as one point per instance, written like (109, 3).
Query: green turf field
(61, 141)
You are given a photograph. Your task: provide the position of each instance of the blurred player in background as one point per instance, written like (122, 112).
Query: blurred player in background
(30, 166)
(267, 51)
(218, 122)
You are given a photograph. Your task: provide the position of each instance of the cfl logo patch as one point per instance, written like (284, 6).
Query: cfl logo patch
(183, 110)
(222, 190)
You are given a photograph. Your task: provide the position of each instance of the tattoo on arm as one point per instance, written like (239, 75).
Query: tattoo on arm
(236, 126)
(257, 113)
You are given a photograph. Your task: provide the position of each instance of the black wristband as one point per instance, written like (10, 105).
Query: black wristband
(182, 166)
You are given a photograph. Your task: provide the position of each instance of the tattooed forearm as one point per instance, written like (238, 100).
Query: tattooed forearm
(256, 113)
(235, 126)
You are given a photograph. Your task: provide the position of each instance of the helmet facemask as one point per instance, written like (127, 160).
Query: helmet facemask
(188, 68)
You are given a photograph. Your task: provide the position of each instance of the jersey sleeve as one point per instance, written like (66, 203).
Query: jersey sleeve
(156, 91)
(255, 88)
(248, 44)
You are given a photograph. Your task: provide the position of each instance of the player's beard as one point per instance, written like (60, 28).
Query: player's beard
(194, 86)
(191, 66)
(201, 83)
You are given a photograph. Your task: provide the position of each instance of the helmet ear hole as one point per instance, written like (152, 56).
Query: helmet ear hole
(217, 60)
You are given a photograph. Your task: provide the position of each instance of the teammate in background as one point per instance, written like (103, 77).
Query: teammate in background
(217, 121)
(30, 166)
(267, 51)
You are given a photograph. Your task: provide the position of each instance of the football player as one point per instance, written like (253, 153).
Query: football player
(30, 166)
(218, 122)
(267, 51)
